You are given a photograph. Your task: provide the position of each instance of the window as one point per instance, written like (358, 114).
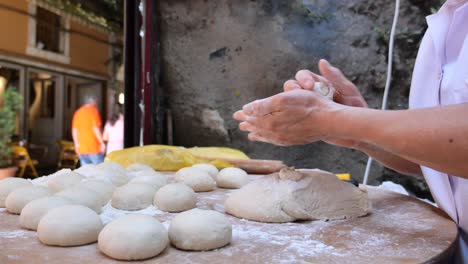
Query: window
(48, 36)
(48, 30)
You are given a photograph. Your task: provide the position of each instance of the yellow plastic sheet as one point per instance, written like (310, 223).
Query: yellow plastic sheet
(172, 158)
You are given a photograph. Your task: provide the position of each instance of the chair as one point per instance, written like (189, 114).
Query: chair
(23, 160)
(67, 155)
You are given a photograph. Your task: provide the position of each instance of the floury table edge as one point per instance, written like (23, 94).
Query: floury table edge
(400, 229)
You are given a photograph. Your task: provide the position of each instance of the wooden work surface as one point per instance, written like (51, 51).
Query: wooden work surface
(400, 229)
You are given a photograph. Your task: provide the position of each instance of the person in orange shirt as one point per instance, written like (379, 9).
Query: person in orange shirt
(87, 135)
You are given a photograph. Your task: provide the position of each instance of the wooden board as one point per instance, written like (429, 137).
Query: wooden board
(401, 229)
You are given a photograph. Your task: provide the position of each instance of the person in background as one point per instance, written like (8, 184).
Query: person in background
(86, 132)
(114, 130)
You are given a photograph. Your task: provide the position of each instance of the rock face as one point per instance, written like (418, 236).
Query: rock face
(220, 55)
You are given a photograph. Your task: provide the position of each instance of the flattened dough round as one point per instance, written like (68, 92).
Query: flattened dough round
(69, 225)
(197, 179)
(211, 169)
(298, 195)
(64, 180)
(18, 198)
(232, 178)
(83, 196)
(8, 185)
(133, 196)
(175, 197)
(133, 237)
(33, 212)
(200, 230)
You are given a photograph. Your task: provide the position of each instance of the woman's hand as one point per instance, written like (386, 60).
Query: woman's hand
(346, 92)
(289, 118)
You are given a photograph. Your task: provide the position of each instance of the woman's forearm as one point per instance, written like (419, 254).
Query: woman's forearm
(434, 137)
(390, 160)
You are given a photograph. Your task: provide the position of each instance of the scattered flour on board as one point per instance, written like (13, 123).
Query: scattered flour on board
(13, 234)
(109, 213)
(280, 235)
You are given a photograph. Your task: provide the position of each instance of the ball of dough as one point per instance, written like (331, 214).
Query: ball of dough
(64, 180)
(103, 188)
(105, 172)
(8, 185)
(175, 197)
(86, 170)
(18, 198)
(69, 225)
(154, 179)
(44, 180)
(200, 230)
(197, 179)
(133, 237)
(138, 167)
(114, 166)
(297, 195)
(133, 196)
(211, 169)
(232, 178)
(83, 196)
(33, 212)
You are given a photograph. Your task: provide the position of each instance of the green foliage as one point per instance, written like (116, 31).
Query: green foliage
(12, 102)
(104, 17)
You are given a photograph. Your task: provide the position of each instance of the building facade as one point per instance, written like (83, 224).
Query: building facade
(55, 60)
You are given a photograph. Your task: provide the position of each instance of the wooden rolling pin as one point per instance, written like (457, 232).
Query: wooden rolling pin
(253, 166)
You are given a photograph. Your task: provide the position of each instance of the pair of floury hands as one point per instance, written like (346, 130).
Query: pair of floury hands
(299, 115)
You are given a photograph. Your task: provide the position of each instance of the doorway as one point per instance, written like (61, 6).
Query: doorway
(44, 102)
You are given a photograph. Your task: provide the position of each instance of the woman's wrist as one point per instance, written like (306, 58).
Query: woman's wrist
(351, 123)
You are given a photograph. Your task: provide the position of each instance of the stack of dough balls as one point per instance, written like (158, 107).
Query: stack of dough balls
(63, 207)
(197, 179)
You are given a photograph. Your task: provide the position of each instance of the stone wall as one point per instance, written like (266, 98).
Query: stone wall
(220, 55)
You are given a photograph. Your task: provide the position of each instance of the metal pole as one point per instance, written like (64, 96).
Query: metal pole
(132, 64)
